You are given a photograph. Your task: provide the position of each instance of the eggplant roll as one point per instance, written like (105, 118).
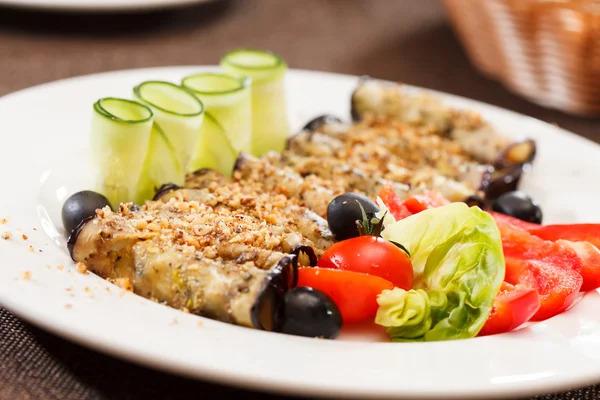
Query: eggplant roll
(388, 101)
(218, 252)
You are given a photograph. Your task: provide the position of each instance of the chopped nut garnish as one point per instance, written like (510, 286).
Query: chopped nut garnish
(81, 268)
(6, 235)
(123, 283)
(26, 275)
(24, 236)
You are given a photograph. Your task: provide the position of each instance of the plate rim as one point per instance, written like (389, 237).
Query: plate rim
(31, 316)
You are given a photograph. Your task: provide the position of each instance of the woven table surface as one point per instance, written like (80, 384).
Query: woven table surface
(401, 40)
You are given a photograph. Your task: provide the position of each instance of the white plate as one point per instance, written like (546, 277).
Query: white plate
(98, 5)
(43, 144)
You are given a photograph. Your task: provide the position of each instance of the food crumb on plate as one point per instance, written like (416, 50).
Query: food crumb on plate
(82, 268)
(60, 267)
(123, 283)
(6, 235)
(26, 275)
(24, 236)
(68, 306)
(200, 324)
(3, 221)
(31, 249)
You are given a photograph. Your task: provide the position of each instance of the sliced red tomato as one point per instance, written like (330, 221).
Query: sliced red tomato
(422, 202)
(354, 293)
(370, 255)
(549, 267)
(589, 255)
(574, 232)
(513, 221)
(393, 202)
(558, 288)
(513, 306)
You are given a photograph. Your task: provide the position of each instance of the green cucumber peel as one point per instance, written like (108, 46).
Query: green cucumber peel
(119, 139)
(270, 125)
(228, 100)
(214, 151)
(178, 118)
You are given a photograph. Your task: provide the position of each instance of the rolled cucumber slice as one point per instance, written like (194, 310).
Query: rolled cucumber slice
(178, 117)
(213, 150)
(228, 100)
(119, 140)
(270, 125)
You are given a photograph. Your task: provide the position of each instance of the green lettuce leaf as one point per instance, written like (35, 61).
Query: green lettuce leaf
(457, 258)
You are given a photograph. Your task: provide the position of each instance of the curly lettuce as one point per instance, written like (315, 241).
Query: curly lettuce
(457, 258)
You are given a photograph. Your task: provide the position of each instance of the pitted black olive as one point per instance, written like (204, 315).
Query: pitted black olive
(311, 313)
(518, 205)
(79, 207)
(321, 120)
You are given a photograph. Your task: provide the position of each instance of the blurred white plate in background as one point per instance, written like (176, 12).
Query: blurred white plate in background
(98, 5)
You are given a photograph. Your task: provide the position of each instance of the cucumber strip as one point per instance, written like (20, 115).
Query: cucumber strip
(228, 100)
(119, 139)
(161, 166)
(178, 112)
(213, 150)
(270, 125)
(178, 117)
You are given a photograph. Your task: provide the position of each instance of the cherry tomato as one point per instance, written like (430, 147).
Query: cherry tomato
(513, 306)
(370, 255)
(354, 293)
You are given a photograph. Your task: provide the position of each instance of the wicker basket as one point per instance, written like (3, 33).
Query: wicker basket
(545, 50)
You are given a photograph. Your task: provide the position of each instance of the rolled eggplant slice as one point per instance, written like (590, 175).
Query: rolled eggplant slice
(309, 191)
(378, 99)
(171, 260)
(290, 225)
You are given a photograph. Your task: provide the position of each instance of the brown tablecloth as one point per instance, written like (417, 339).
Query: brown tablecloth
(404, 40)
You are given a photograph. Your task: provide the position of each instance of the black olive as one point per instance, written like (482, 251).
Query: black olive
(81, 206)
(344, 211)
(312, 313)
(164, 189)
(518, 205)
(475, 200)
(321, 120)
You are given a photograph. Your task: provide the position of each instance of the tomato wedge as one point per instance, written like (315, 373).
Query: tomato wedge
(415, 204)
(574, 232)
(393, 202)
(370, 255)
(498, 217)
(513, 306)
(422, 202)
(589, 255)
(354, 293)
(549, 267)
